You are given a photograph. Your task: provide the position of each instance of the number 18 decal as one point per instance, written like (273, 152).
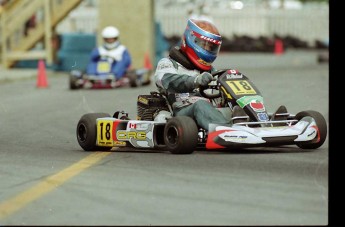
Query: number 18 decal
(241, 87)
(105, 132)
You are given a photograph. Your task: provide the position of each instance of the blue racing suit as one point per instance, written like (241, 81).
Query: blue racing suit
(177, 82)
(119, 58)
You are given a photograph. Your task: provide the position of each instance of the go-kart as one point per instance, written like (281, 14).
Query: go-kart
(103, 78)
(157, 128)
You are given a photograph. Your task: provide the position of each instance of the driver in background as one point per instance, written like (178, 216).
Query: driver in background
(188, 67)
(113, 52)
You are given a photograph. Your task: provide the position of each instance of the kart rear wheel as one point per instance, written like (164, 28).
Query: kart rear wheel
(181, 135)
(322, 129)
(87, 132)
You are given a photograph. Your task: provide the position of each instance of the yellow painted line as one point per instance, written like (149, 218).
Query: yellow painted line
(50, 183)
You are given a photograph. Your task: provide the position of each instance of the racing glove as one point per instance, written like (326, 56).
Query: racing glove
(203, 79)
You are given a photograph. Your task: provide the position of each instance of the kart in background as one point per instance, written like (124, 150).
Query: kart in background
(105, 79)
(157, 128)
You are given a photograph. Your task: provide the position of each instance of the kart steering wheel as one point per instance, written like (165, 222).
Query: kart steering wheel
(211, 86)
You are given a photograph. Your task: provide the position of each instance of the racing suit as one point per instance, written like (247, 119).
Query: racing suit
(175, 76)
(119, 58)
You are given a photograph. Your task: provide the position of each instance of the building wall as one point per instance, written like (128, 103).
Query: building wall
(135, 21)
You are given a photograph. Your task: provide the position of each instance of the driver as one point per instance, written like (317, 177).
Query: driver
(113, 52)
(188, 67)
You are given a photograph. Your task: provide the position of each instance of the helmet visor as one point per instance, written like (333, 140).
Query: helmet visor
(206, 43)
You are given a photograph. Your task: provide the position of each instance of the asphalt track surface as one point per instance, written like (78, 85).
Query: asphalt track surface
(47, 179)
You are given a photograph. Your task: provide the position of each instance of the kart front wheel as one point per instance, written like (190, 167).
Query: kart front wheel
(87, 132)
(322, 129)
(181, 135)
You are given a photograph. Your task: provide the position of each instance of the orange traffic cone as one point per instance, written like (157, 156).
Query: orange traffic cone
(278, 47)
(147, 62)
(41, 75)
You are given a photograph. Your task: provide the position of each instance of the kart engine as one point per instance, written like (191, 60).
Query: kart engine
(148, 106)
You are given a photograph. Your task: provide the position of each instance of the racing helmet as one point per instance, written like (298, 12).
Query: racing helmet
(110, 36)
(201, 42)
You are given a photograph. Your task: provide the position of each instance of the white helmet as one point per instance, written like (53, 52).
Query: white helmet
(110, 32)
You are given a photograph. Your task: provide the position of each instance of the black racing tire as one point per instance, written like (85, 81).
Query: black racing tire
(181, 135)
(132, 76)
(73, 82)
(74, 76)
(87, 132)
(322, 129)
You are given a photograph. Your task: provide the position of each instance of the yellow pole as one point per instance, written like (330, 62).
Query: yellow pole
(3, 40)
(48, 32)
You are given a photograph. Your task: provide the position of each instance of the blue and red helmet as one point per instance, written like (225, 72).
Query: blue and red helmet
(201, 42)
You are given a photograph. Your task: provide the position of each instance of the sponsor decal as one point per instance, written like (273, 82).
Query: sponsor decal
(142, 126)
(218, 42)
(208, 39)
(240, 137)
(203, 62)
(257, 106)
(164, 64)
(234, 137)
(262, 116)
(131, 125)
(126, 135)
(119, 143)
(245, 100)
(234, 76)
(143, 100)
(232, 71)
(106, 143)
(134, 125)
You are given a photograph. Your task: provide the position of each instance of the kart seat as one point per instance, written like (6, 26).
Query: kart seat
(238, 115)
(281, 114)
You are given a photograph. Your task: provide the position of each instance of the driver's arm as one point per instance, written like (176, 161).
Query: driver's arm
(168, 78)
(94, 55)
(121, 66)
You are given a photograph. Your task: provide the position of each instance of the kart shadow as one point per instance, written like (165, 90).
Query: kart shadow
(233, 151)
(256, 150)
(125, 150)
(135, 150)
